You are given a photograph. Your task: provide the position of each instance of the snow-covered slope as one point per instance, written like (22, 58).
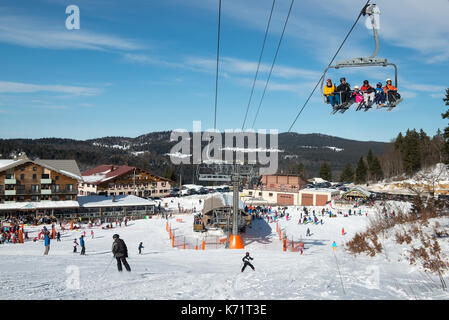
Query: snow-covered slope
(163, 272)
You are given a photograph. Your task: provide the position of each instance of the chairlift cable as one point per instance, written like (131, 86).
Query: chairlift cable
(274, 61)
(258, 64)
(362, 12)
(218, 60)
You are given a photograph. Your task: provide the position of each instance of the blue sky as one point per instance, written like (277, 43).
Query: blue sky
(138, 66)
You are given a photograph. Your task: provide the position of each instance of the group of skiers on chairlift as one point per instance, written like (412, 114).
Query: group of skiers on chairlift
(365, 96)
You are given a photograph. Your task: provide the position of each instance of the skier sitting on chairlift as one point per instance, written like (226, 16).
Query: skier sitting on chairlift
(391, 92)
(329, 92)
(368, 94)
(379, 98)
(358, 97)
(344, 90)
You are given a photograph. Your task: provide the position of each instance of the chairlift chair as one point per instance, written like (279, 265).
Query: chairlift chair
(371, 61)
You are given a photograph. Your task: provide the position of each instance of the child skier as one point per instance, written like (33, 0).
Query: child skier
(140, 247)
(75, 245)
(246, 262)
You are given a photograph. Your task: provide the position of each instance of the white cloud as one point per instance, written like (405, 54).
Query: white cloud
(37, 33)
(18, 87)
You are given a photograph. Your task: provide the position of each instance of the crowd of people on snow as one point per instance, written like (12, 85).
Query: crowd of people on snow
(365, 96)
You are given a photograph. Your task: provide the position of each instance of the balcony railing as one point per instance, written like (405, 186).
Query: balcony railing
(46, 191)
(45, 181)
(10, 181)
(10, 192)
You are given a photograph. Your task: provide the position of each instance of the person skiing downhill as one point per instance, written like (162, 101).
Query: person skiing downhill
(120, 252)
(334, 246)
(140, 247)
(308, 232)
(246, 262)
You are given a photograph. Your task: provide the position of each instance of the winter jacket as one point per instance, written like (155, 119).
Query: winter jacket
(82, 242)
(389, 87)
(247, 258)
(119, 248)
(358, 98)
(329, 90)
(367, 89)
(46, 240)
(344, 87)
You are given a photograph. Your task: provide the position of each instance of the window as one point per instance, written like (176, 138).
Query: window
(55, 187)
(260, 193)
(1, 187)
(9, 176)
(20, 198)
(45, 176)
(22, 176)
(34, 198)
(56, 177)
(55, 198)
(68, 197)
(34, 169)
(250, 193)
(270, 194)
(34, 176)
(20, 187)
(22, 168)
(69, 187)
(35, 188)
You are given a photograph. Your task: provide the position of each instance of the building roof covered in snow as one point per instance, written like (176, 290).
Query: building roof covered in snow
(220, 200)
(111, 201)
(107, 172)
(66, 167)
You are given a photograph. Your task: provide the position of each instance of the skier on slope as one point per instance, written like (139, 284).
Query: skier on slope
(75, 245)
(308, 233)
(140, 247)
(120, 252)
(246, 262)
(82, 244)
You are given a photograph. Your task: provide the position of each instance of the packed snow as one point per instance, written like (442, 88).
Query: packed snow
(164, 272)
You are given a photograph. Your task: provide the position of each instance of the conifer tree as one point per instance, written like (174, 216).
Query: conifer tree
(360, 172)
(347, 175)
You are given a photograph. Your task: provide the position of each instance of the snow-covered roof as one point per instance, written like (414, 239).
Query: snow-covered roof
(219, 200)
(107, 201)
(39, 205)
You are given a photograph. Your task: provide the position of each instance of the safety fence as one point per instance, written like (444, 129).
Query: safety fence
(289, 243)
(181, 241)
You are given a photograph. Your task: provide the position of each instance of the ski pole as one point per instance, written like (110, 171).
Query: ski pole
(107, 267)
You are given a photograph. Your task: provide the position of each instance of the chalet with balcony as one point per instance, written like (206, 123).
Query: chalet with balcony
(123, 180)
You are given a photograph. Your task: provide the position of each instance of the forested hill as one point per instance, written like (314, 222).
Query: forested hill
(148, 151)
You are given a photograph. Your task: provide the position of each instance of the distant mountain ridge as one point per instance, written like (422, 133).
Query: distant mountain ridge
(149, 150)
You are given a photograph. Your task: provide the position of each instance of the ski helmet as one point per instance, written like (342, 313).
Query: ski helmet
(115, 236)
(247, 253)
(388, 80)
(341, 79)
(365, 81)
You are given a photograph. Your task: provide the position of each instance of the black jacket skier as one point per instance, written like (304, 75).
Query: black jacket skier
(345, 90)
(246, 262)
(120, 252)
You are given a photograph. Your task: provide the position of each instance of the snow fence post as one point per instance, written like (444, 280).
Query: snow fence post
(173, 240)
(203, 245)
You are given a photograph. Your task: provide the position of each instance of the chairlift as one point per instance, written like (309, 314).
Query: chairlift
(372, 61)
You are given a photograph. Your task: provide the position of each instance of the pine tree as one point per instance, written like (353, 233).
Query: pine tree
(360, 172)
(411, 152)
(445, 115)
(347, 175)
(376, 170)
(325, 171)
